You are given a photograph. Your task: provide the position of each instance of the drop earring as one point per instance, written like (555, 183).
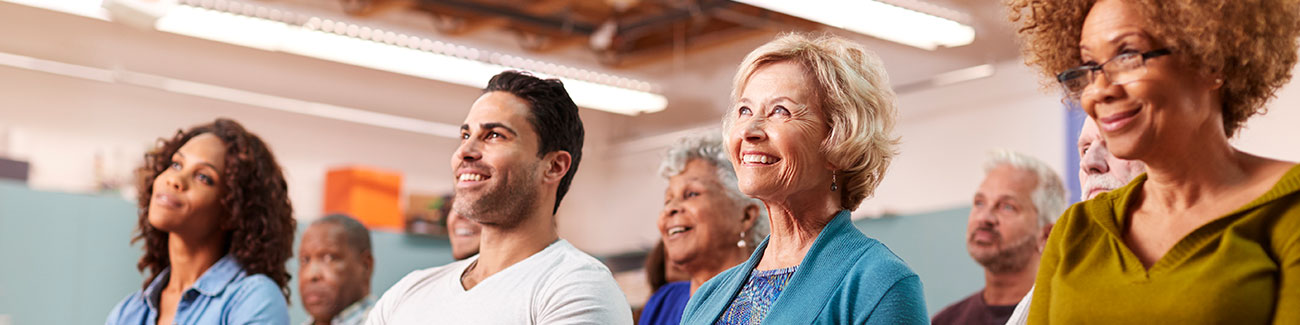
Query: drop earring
(833, 186)
(741, 243)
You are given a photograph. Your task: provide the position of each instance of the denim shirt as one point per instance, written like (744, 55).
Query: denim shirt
(224, 294)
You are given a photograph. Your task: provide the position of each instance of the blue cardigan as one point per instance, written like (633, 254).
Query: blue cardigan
(846, 278)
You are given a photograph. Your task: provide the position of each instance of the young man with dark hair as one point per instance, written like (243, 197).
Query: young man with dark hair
(520, 147)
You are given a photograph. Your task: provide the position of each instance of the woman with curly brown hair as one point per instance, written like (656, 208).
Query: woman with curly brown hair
(1210, 234)
(217, 228)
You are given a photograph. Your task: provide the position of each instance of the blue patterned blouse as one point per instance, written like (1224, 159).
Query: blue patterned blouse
(753, 302)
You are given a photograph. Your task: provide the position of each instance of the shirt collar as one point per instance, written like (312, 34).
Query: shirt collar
(215, 279)
(356, 311)
(211, 283)
(153, 293)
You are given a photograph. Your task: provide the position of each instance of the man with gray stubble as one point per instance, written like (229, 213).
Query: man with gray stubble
(1011, 214)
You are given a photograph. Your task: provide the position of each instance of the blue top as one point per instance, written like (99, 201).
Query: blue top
(845, 278)
(755, 300)
(224, 294)
(666, 305)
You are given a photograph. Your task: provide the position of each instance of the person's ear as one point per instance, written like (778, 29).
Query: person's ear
(1214, 78)
(751, 214)
(557, 163)
(1042, 237)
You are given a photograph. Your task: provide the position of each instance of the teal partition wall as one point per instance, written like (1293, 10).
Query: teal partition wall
(934, 245)
(65, 258)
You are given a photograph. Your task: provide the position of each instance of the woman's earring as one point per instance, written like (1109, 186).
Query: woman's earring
(833, 186)
(741, 243)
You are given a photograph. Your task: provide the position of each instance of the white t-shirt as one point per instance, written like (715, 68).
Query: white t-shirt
(558, 285)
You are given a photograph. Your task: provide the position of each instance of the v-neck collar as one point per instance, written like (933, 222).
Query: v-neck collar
(1113, 211)
(811, 285)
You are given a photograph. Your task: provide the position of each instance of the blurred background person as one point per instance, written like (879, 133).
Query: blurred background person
(1011, 214)
(658, 271)
(217, 228)
(1208, 233)
(707, 224)
(810, 135)
(1099, 172)
(463, 235)
(335, 263)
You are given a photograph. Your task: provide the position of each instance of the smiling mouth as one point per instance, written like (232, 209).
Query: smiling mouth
(1118, 120)
(472, 177)
(758, 159)
(677, 230)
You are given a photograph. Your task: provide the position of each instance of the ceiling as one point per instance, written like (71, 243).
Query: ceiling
(688, 48)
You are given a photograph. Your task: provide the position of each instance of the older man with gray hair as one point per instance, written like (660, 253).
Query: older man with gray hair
(1011, 214)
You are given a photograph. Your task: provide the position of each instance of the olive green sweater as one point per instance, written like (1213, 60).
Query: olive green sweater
(1242, 268)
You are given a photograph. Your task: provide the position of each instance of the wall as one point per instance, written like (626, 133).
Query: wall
(932, 244)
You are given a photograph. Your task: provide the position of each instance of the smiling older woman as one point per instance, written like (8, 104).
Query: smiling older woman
(707, 224)
(1210, 234)
(810, 137)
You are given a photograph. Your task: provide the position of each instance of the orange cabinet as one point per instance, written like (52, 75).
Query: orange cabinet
(368, 194)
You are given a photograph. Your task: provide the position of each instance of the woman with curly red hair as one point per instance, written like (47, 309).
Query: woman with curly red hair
(1210, 234)
(217, 228)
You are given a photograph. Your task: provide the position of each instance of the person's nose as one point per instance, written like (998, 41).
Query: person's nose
(469, 150)
(984, 216)
(753, 130)
(1101, 90)
(175, 181)
(312, 272)
(1093, 161)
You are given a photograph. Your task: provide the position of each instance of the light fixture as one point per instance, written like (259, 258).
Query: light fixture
(912, 23)
(251, 98)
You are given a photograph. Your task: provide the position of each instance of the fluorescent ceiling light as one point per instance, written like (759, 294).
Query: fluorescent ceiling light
(384, 50)
(880, 19)
(251, 98)
(84, 8)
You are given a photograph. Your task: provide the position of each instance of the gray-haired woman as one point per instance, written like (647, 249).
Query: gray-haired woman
(707, 224)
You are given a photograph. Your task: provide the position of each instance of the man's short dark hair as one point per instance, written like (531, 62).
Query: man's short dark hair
(356, 235)
(554, 117)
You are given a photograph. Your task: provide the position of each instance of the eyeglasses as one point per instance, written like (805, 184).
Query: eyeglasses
(1121, 69)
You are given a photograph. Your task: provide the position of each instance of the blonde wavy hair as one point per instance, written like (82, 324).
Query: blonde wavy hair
(1251, 44)
(855, 95)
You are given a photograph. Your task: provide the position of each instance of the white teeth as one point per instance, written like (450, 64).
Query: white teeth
(464, 232)
(757, 158)
(676, 230)
(471, 177)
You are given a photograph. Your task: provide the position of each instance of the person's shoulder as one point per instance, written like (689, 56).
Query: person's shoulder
(680, 290)
(253, 282)
(952, 313)
(577, 288)
(256, 298)
(565, 256)
(711, 292)
(256, 289)
(878, 261)
(131, 307)
(425, 275)
(677, 288)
